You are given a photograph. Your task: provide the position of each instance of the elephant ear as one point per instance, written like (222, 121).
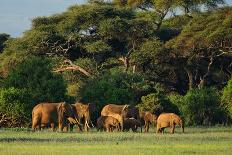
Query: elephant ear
(124, 111)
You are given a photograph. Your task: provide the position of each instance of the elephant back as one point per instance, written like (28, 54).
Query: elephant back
(113, 109)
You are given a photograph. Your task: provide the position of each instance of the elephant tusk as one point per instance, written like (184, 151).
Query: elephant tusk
(87, 124)
(92, 124)
(78, 121)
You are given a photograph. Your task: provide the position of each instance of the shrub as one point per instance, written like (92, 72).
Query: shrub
(202, 107)
(35, 75)
(227, 97)
(177, 100)
(157, 103)
(15, 107)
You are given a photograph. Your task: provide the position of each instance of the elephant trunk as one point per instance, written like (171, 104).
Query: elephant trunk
(60, 119)
(121, 124)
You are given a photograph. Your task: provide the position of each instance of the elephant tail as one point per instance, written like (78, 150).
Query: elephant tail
(182, 125)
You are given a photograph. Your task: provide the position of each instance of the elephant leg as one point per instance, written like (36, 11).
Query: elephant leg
(37, 127)
(158, 128)
(107, 128)
(172, 125)
(145, 127)
(71, 127)
(162, 130)
(66, 128)
(148, 125)
(172, 129)
(36, 123)
(86, 127)
(53, 126)
(79, 128)
(60, 127)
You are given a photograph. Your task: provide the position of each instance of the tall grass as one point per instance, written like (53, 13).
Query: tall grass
(194, 141)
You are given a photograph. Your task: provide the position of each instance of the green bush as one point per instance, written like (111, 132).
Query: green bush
(202, 107)
(16, 105)
(227, 97)
(35, 75)
(157, 103)
(177, 100)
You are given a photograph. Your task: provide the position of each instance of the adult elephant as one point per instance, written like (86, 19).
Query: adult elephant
(148, 118)
(83, 112)
(169, 120)
(52, 115)
(120, 112)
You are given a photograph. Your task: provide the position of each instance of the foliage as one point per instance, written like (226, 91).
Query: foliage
(201, 50)
(74, 80)
(177, 100)
(16, 105)
(35, 75)
(3, 38)
(116, 87)
(157, 103)
(227, 97)
(202, 107)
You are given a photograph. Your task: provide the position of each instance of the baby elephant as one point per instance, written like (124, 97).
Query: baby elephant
(131, 123)
(168, 120)
(148, 118)
(107, 123)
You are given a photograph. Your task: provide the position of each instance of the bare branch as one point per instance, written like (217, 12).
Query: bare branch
(57, 47)
(69, 65)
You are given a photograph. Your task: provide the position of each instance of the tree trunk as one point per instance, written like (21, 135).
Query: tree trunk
(190, 78)
(125, 61)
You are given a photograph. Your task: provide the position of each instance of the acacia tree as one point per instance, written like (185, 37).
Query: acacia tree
(203, 48)
(162, 8)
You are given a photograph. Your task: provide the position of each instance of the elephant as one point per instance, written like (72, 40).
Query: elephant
(148, 118)
(83, 112)
(107, 123)
(120, 112)
(51, 115)
(169, 120)
(131, 123)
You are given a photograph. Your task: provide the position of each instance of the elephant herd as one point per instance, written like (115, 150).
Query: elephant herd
(113, 117)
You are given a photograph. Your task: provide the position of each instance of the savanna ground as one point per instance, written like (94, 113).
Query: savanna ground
(212, 141)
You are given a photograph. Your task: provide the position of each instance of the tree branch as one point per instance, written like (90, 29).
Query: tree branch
(69, 65)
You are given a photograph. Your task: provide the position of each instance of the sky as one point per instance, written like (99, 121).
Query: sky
(16, 15)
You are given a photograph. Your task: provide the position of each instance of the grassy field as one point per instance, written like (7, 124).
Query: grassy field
(212, 141)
